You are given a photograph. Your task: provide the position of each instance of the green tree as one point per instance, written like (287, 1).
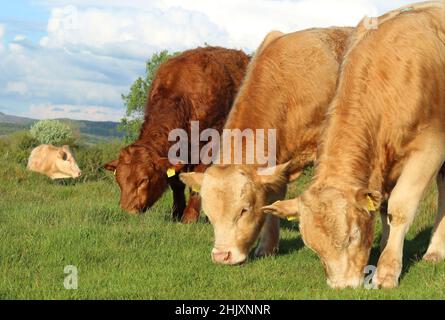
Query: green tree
(136, 99)
(52, 132)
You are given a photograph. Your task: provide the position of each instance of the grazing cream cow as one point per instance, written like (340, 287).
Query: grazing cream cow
(289, 86)
(385, 138)
(54, 162)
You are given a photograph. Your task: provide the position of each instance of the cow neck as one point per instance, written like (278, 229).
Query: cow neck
(302, 150)
(248, 115)
(348, 151)
(161, 118)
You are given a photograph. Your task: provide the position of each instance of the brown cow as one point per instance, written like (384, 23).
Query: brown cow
(385, 136)
(54, 162)
(289, 86)
(198, 85)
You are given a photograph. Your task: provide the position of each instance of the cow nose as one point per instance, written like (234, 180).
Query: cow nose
(221, 256)
(130, 209)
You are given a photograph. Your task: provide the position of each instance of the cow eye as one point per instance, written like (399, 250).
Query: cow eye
(243, 211)
(241, 214)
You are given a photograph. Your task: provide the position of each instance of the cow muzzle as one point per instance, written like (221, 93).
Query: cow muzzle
(228, 257)
(341, 277)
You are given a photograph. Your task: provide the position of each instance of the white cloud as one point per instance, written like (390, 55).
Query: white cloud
(130, 31)
(15, 48)
(248, 23)
(178, 24)
(76, 112)
(20, 88)
(94, 49)
(19, 37)
(62, 77)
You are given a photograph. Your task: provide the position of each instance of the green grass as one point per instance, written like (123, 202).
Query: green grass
(46, 225)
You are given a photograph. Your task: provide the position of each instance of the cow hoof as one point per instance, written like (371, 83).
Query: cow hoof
(388, 272)
(386, 278)
(176, 215)
(387, 282)
(433, 257)
(261, 252)
(190, 216)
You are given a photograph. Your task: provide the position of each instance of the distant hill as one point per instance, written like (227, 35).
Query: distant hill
(4, 118)
(90, 130)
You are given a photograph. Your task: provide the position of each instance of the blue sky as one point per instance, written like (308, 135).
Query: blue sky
(75, 58)
(24, 17)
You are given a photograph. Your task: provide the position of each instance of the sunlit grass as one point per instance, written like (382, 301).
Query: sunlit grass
(45, 226)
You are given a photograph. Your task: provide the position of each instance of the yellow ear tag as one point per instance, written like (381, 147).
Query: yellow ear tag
(114, 172)
(292, 218)
(371, 206)
(195, 189)
(171, 172)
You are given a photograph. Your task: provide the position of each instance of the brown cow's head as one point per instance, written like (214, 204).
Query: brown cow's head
(141, 176)
(338, 226)
(232, 198)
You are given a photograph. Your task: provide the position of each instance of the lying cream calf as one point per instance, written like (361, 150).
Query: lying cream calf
(54, 162)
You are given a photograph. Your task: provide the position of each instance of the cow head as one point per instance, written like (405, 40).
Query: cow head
(232, 198)
(338, 226)
(141, 176)
(65, 164)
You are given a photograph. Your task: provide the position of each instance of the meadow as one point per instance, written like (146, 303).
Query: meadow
(46, 225)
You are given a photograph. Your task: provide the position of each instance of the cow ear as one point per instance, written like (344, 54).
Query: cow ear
(368, 200)
(274, 177)
(164, 163)
(192, 179)
(62, 154)
(288, 209)
(112, 165)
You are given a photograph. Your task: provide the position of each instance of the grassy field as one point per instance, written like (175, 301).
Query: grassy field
(45, 226)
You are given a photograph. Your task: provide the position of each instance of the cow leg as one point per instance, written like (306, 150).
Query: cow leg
(436, 249)
(270, 232)
(419, 170)
(385, 226)
(191, 213)
(269, 237)
(178, 189)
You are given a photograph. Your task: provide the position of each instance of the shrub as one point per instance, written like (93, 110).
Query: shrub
(92, 158)
(17, 147)
(52, 132)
